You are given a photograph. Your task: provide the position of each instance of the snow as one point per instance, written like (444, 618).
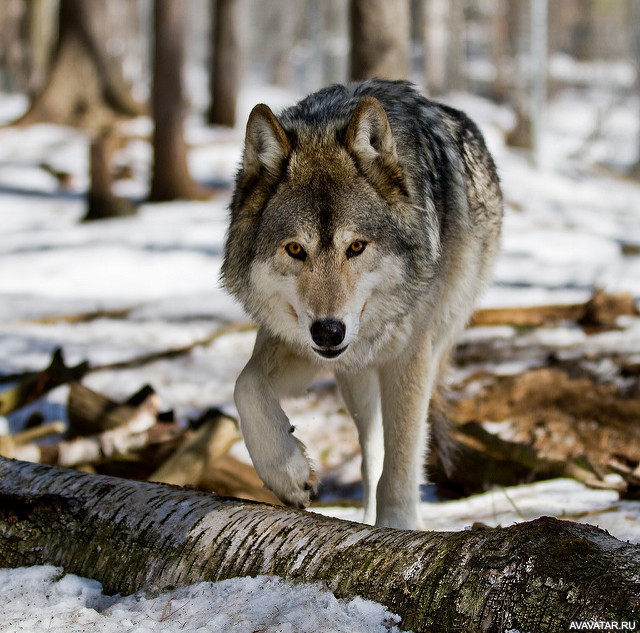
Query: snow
(43, 598)
(570, 227)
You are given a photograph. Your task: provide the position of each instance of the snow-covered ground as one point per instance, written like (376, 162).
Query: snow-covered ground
(570, 226)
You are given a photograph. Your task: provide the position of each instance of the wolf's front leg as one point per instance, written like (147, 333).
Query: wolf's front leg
(278, 457)
(406, 385)
(361, 393)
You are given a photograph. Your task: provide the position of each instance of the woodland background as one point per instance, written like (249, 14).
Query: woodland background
(123, 129)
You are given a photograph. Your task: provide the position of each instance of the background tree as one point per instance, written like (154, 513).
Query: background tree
(517, 17)
(101, 201)
(435, 38)
(171, 179)
(635, 20)
(224, 77)
(84, 89)
(38, 29)
(379, 39)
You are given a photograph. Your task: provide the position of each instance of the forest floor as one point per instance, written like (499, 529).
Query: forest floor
(115, 291)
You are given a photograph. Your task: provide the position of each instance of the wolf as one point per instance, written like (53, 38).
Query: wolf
(364, 223)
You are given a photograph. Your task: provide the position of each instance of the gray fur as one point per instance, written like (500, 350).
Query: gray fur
(378, 163)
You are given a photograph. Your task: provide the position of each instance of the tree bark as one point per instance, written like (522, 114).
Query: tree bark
(137, 535)
(83, 89)
(379, 39)
(224, 80)
(102, 202)
(171, 179)
(435, 44)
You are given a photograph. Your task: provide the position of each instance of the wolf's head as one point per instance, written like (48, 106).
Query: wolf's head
(323, 232)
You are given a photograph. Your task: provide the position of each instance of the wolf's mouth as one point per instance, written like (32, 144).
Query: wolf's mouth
(330, 353)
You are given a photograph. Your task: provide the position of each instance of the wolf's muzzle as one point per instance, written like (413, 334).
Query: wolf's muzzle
(327, 334)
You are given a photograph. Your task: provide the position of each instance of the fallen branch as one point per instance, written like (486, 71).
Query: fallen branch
(601, 310)
(35, 385)
(137, 535)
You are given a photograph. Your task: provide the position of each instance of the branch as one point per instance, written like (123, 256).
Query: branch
(138, 535)
(33, 386)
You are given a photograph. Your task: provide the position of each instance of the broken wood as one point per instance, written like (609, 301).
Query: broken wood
(19, 444)
(134, 536)
(199, 450)
(601, 310)
(544, 423)
(35, 385)
(116, 443)
(90, 412)
(230, 477)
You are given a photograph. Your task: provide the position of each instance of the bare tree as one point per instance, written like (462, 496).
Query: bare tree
(517, 16)
(435, 39)
(38, 27)
(171, 178)
(635, 19)
(379, 39)
(224, 78)
(500, 51)
(102, 203)
(83, 88)
(135, 536)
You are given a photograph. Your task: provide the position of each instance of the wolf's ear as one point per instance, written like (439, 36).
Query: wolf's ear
(370, 141)
(266, 144)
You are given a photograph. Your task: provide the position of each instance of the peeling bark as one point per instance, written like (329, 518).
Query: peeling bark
(130, 535)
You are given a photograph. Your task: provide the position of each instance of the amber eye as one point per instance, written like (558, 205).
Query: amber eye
(296, 251)
(356, 248)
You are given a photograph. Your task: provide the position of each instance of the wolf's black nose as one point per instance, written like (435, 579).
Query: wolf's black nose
(328, 332)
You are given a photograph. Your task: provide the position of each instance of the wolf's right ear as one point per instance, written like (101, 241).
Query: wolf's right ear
(266, 144)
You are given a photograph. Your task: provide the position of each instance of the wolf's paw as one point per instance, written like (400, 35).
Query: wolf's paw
(291, 479)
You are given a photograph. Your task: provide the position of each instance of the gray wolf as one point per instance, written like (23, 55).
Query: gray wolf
(364, 223)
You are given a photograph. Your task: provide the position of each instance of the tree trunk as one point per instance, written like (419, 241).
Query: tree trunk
(435, 45)
(171, 179)
(584, 30)
(500, 53)
(522, 134)
(39, 30)
(635, 19)
(457, 78)
(102, 202)
(379, 39)
(137, 535)
(224, 80)
(83, 89)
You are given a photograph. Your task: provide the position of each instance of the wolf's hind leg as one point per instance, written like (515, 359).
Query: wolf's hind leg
(278, 457)
(361, 394)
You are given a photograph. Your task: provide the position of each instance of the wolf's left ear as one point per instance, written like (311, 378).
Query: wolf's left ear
(370, 141)
(266, 144)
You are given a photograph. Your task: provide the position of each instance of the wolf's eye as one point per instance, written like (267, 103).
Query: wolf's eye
(356, 248)
(296, 251)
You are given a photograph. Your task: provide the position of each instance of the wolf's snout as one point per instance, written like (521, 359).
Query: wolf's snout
(328, 332)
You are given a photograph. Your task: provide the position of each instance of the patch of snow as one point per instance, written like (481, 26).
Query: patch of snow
(45, 599)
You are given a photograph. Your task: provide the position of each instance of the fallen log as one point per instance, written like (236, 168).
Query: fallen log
(130, 536)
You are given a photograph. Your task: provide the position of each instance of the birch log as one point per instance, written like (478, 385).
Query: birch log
(132, 535)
